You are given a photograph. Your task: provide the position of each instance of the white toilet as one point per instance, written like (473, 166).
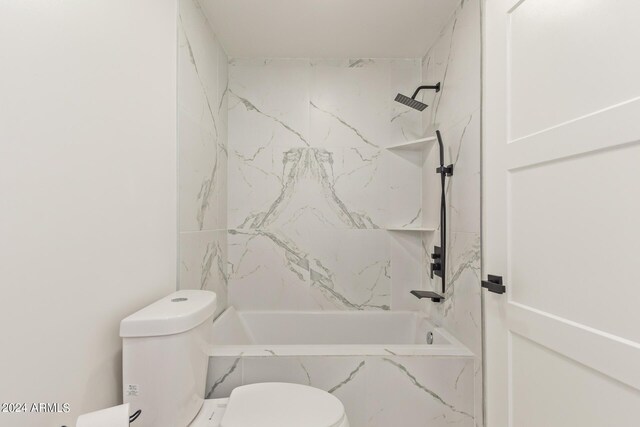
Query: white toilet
(165, 362)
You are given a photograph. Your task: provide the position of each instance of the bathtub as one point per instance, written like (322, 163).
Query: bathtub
(379, 364)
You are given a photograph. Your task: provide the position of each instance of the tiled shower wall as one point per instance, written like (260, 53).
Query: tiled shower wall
(312, 189)
(311, 186)
(202, 145)
(454, 60)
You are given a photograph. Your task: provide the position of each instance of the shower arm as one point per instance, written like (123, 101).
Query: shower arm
(435, 87)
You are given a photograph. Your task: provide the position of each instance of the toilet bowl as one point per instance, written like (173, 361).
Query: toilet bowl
(165, 359)
(273, 405)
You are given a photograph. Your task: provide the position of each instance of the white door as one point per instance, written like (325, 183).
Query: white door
(561, 210)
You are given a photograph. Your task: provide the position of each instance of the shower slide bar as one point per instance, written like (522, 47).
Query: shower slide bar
(439, 255)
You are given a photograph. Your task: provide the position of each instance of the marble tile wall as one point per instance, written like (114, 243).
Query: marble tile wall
(407, 391)
(291, 213)
(454, 60)
(311, 186)
(202, 147)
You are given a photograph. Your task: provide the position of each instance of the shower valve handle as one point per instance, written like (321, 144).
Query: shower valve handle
(435, 266)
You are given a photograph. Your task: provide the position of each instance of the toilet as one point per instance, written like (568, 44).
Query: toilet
(165, 359)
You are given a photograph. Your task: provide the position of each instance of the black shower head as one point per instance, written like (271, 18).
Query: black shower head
(411, 102)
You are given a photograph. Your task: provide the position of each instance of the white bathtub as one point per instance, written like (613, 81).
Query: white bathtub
(284, 333)
(377, 363)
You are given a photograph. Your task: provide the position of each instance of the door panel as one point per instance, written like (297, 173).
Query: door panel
(552, 390)
(570, 58)
(561, 212)
(609, 354)
(573, 236)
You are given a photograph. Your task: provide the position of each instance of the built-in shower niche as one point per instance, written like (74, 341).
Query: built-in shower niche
(408, 240)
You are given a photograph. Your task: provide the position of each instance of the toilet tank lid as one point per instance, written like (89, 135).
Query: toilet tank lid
(173, 314)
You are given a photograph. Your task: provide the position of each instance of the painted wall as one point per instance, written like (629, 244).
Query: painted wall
(454, 60)
(311, 186)
(202, 141)
(87, 193)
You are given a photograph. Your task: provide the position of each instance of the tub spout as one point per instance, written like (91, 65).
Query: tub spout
(435, 297)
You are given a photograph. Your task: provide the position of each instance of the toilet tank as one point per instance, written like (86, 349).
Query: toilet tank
(165, 358)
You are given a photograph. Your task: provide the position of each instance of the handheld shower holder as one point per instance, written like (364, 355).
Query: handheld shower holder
(446, 170)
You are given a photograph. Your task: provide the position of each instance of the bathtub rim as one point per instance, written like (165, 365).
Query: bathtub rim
(339, 350)
(454, 348)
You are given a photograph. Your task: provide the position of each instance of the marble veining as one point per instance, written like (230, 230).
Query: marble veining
(326, 285)
(433, 389)
(414, 220)
(314, 166)
(222, 379)
(296, 258)
(454, 60)
(352, 374)
(213, 259)
(251, 107)
(343, 122)
(203, 263)
(207, 263)
(202, 88)
(311, 187)
(318, 276)
(444, 82)
(194, 63)
(431, 393)
(205, 193)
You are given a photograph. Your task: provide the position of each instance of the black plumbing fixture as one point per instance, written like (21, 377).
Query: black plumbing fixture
(494, 284)
(439, 267)
(435, 297)
(411, 102)
(135, 416)
(439, 255)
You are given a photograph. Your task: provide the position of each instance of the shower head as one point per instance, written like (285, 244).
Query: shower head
(411, 102)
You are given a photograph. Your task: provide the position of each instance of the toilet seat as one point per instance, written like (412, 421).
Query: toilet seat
(282, 405)
(274, 405)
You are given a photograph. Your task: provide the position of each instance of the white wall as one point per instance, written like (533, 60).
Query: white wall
(87, 192)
